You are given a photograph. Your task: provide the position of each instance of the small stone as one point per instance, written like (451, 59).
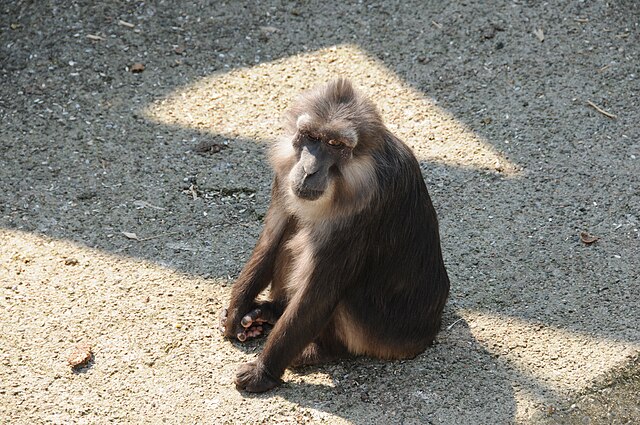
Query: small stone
(80, 355)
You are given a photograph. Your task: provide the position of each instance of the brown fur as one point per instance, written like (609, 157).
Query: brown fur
(350, 245)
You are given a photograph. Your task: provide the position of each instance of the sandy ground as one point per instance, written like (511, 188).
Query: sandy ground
(130, 201)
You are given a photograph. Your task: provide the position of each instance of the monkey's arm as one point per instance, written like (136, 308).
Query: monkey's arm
(256, 274)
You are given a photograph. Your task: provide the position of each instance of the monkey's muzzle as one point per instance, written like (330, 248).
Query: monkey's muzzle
(306, 193)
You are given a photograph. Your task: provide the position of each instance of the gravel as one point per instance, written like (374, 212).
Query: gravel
(133, 183)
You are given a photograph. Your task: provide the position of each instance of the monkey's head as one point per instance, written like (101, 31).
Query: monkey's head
(322, 149)
(325, 162)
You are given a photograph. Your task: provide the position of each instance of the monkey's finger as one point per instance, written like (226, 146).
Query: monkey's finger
(250, 317)
(241, 336)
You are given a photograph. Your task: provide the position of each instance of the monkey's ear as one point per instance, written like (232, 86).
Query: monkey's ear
(303, 122)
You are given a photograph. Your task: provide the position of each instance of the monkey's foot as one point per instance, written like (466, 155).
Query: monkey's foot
(240, 332)
(254, 378)
(251, 325)
(255, 323)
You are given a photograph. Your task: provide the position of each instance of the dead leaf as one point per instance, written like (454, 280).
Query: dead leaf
(80, 355)
(208, 146)
(587, 238)
(137, 68)
(539, 33)
(130, 235)
(193, 191)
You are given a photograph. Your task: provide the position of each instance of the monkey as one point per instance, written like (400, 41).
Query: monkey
(350, 247)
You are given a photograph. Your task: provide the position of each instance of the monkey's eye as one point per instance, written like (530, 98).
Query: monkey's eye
(335, 143)
(311, 139)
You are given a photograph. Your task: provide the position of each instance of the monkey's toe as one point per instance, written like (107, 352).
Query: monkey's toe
(252, 317)
(223, 317)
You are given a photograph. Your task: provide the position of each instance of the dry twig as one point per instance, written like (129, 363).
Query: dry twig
(158, 236)
(602, 111)
(453, 324)
(135, 237)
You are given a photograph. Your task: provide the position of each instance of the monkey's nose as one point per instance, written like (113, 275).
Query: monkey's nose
(309, 170)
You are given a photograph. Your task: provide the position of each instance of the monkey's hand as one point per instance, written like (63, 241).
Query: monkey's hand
(249, 325)
(254, 378)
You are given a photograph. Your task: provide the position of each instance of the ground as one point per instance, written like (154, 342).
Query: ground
(134, 181)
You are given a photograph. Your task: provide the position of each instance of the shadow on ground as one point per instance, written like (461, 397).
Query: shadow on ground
(83, 161)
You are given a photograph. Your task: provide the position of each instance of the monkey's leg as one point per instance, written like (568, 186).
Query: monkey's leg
(319, 353)
(326, 348)
(302, 322)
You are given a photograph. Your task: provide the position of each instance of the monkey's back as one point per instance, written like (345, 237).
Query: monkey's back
(394, 306)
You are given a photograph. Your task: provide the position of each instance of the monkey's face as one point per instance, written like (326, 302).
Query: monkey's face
(320, 152)
(317, 164)
(325, 164)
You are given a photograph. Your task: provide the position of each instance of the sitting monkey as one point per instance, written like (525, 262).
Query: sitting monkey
(350, 245)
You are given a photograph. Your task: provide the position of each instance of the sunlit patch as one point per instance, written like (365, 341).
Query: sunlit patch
(249, 102)
(141, 316)
(561, 360)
